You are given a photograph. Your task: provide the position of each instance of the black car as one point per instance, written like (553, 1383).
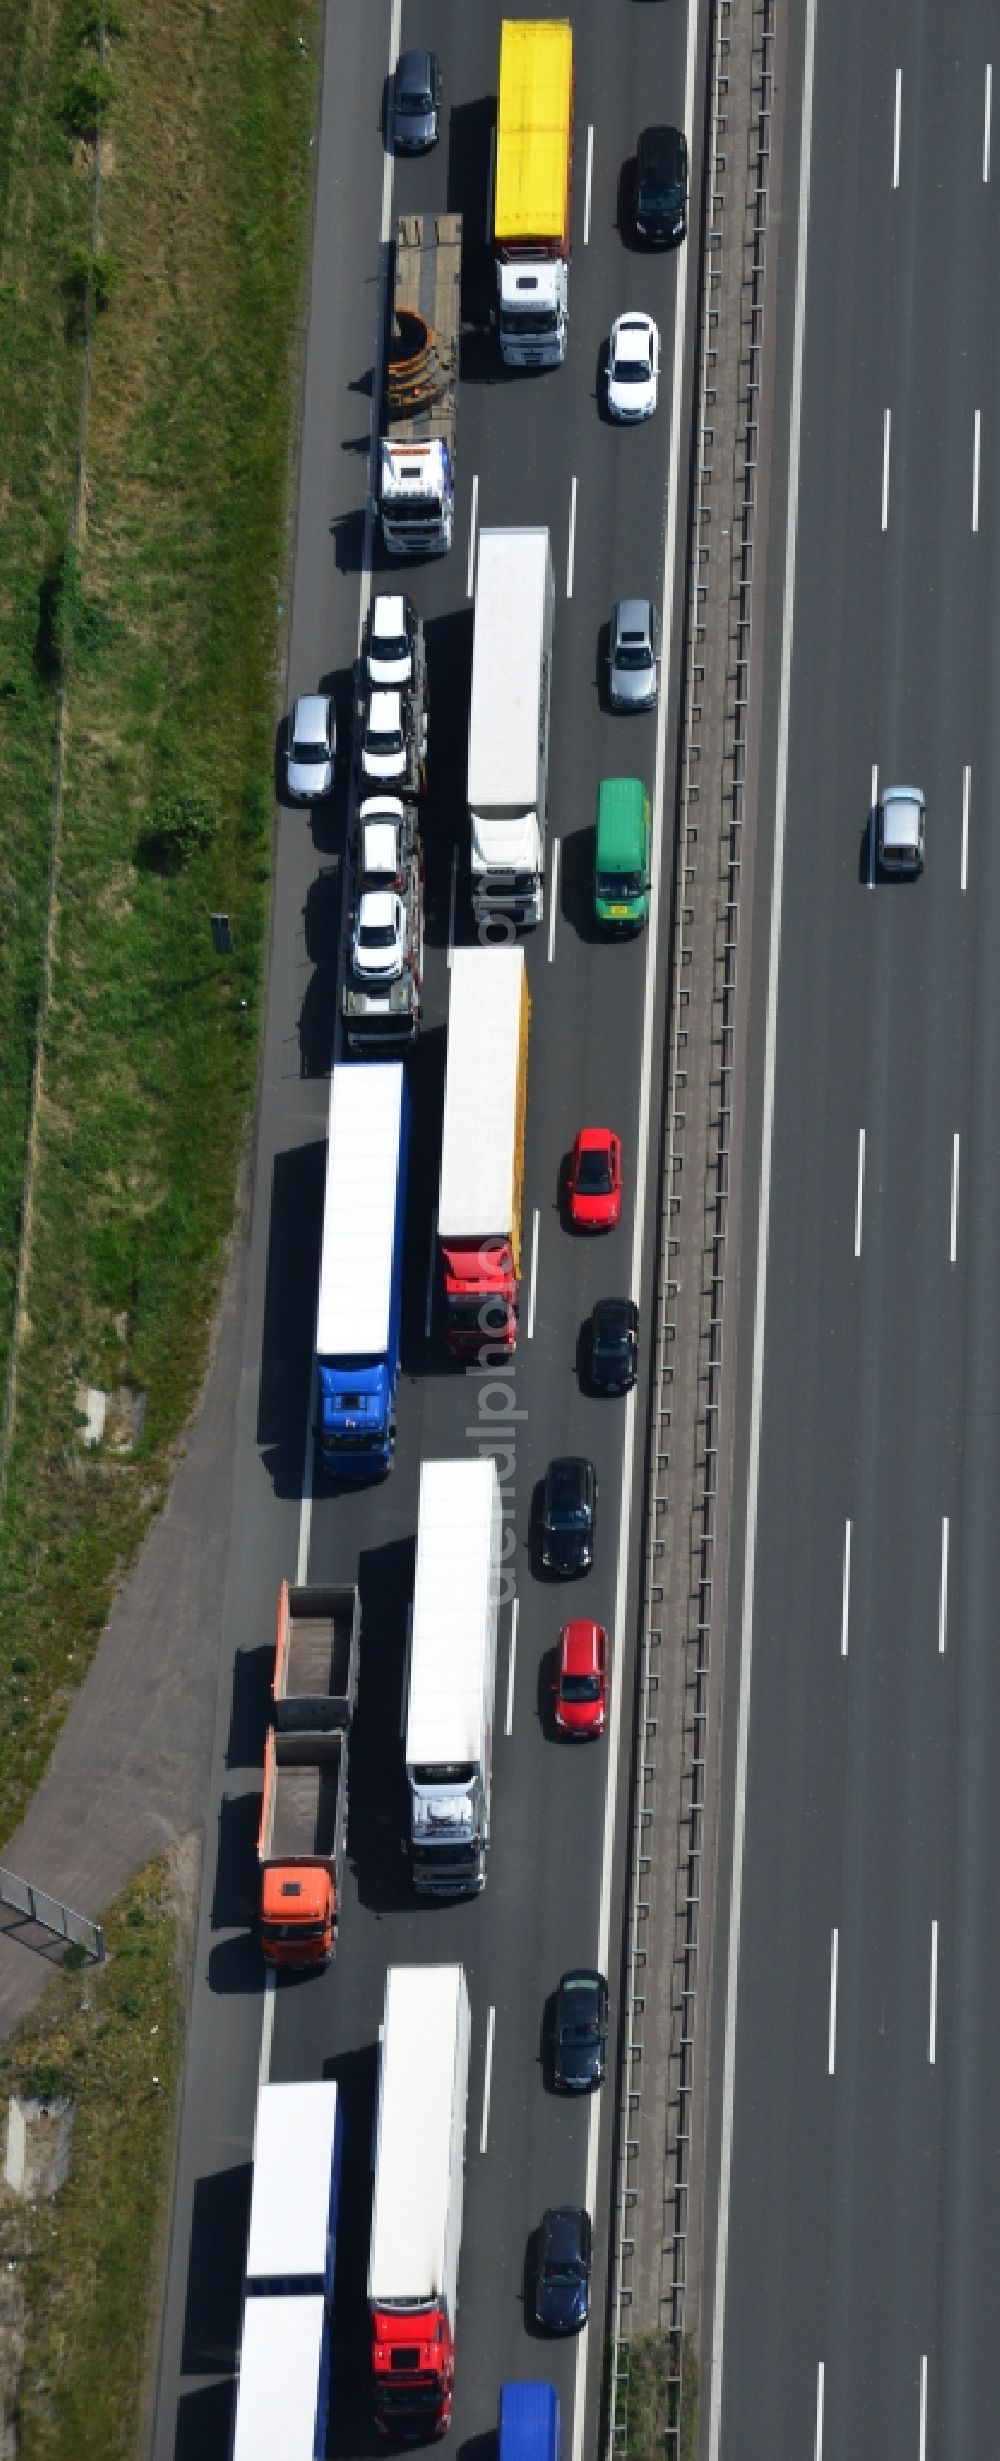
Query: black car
(661, 186)
(416, 102)
(580, 2031)
(613, 1345)
(569, 1515)
(562, 2289)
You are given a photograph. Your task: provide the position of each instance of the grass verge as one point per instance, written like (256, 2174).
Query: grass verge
(164, 626)
(650, 2406)
(80, 2269)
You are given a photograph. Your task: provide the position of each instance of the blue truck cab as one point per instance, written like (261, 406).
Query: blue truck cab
(359, 1316)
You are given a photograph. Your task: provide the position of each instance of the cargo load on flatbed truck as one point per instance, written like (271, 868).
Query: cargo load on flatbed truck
(417, 2200)
(417, 453)
(482, 1150)
(303, 1821)
(533, 189)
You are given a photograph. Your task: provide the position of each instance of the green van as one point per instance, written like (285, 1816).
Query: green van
(621, 861)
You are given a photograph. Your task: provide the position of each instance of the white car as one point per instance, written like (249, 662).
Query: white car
(393, 633)
(633, 366)
(379, 937)
(312, 747)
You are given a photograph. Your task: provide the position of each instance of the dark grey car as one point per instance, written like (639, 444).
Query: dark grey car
(580, 2031)
(416, 102)
(562, 2283)
(569, 1515)
(633, 654)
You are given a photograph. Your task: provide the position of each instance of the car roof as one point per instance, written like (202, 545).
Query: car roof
(569, 1470)
(380, 906)
(634, 322)
(563, 2229)
(581, 1640)
(633, 615)
(578, 1975)
(383, 710)
(310, 717)
(589, 1139)
(415, 68)
(380, 842)
(616, 1311)
(661, 148)
(388, 616)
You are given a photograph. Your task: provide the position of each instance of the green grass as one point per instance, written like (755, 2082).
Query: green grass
(170, 617)
(87, 2261)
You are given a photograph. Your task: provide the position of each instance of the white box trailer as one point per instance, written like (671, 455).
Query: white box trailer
(296, 2186)
(359, 1315)
(508, 774)
(283, 2388)
(482, 1149)
(452, 1676)
(417, 2200)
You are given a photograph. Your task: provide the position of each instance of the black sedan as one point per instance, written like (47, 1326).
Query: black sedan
(613, 1346)
(580, 2031)
(569, 1515)
(562, 2288)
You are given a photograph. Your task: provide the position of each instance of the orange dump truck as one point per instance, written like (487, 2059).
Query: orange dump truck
(303, 1819)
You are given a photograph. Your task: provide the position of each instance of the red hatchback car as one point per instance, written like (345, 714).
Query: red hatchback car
(581, 1686)
(594, 1187)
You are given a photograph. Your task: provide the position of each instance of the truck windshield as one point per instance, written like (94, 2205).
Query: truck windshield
(528, 320)
(294, 1931)
(431, 1859)
(414, 509)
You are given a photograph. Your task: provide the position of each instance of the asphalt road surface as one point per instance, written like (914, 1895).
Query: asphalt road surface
(529, 450)
(857, 2110)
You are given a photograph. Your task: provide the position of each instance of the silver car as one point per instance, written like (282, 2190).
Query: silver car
(416, 102)
(901, 830)
(633, 654)
(312, 747)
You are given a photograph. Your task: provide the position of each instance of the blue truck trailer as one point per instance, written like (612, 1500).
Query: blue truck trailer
(359, 1316)
(528, 2423)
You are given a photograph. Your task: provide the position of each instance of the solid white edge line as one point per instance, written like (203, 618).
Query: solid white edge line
(760, 1295)
(533, 1275)
(487, 2080)
(429, 1300)
(966, 792)
(895, 129)
(452, 898)
(943, 1588)
(932, 2024)
(267, 2028)
(473, 515)
(886, 434)
(986, 120)
(820, 2398)
(953, 1239)
(587, 186)
(571, 548)
(922, 2431)
(308, 1479)
(860, 1196)
(553, 898)
(873, 826)
(831, 2048)
(575, 2440)
(509, 1721)
(845, 1599)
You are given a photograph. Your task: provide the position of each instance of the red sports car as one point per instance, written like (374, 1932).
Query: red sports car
(594, 1188)
(581, 1687)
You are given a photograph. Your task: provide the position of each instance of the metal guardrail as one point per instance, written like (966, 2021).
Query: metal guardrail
(38, 1907)
(692, 1804)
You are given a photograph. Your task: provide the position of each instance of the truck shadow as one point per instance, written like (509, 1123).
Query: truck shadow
(205, 2423)
(220, 2219)
(295, 1231)
(352, 2431)
(323, 931)
(234, 1898)
(377, 1817)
